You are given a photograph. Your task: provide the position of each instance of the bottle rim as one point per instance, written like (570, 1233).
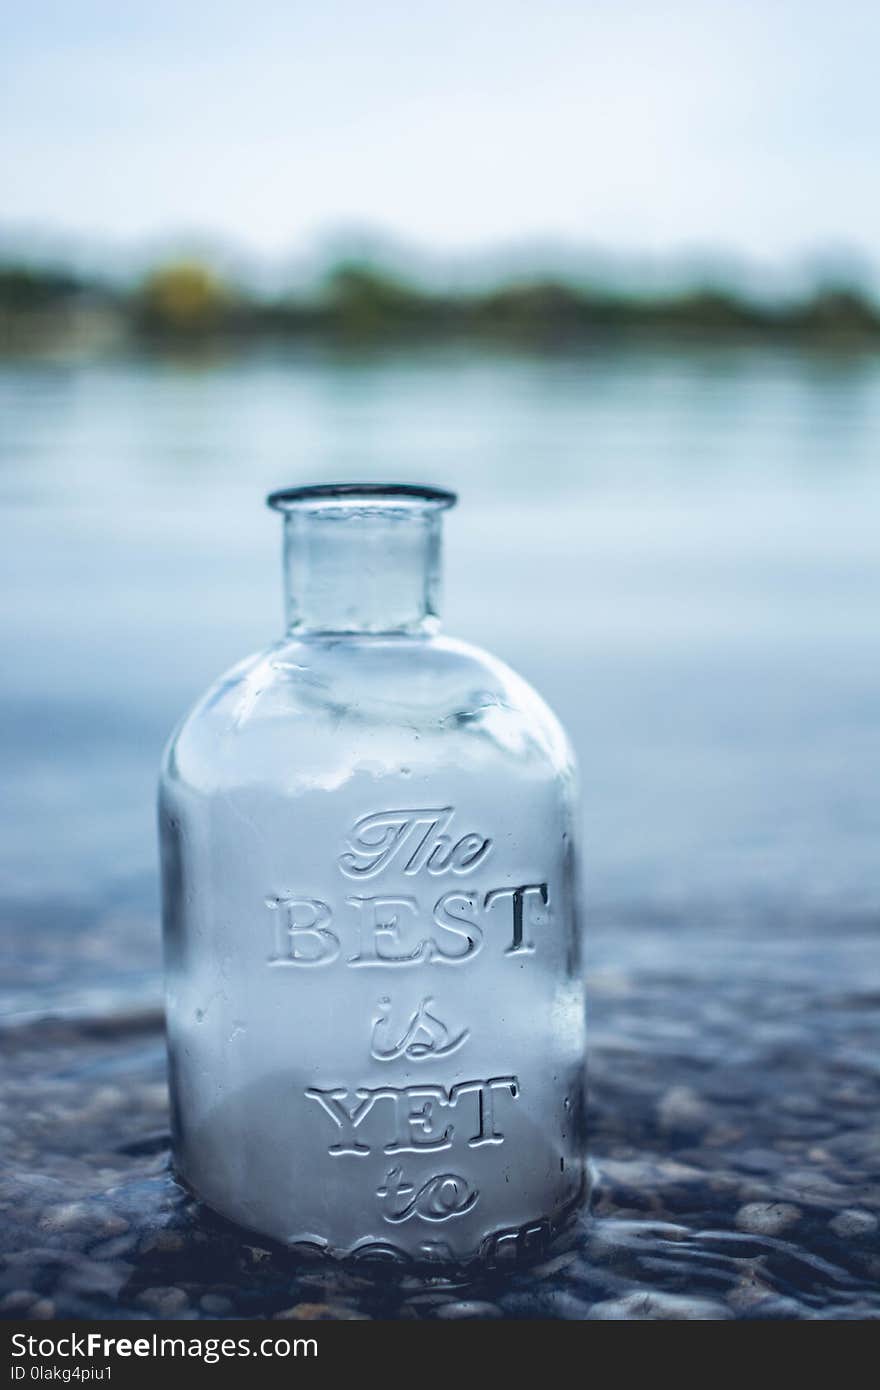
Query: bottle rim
(286, 499)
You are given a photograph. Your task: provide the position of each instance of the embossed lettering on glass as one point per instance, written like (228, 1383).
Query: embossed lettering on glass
(374, 989)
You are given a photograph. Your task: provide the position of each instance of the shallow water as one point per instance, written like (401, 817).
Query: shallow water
(734, 1129)
(680, 550)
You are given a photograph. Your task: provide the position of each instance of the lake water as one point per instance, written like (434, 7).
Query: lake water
(680, 549)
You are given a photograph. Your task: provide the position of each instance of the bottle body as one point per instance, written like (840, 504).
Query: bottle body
(370, 904)
(375, 999)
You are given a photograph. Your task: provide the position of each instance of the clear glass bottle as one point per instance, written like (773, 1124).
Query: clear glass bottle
(374, 990)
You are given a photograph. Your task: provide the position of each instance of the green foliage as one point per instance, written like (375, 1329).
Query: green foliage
(838, 312)
(186, 302)
(363, 301)
(25, 290)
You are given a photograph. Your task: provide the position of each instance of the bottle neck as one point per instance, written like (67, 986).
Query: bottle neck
(369, 568)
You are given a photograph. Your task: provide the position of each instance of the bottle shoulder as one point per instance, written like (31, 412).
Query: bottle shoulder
(312, 697)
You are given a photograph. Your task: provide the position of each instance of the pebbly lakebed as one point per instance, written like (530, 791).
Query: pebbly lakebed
(734, 1134)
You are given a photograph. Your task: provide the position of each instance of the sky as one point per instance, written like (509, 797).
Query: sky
(746, 126)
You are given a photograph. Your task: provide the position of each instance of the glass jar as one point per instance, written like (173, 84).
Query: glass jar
(374, 988)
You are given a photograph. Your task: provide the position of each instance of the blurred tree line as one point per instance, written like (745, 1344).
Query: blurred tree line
(187, 303)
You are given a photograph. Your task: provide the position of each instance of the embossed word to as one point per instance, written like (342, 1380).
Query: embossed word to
(438, 1199)
(411, 840)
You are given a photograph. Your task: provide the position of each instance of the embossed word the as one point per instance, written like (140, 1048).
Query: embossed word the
(413, 840)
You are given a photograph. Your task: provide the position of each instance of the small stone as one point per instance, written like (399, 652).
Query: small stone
(760, 1161)
(321, 1312)
(800, 1105)
(681, 1108)
(816, 1154)
(469, 1308)
(556, 1265)
(321, 1285)
(113, 1249)
(258, 1254)
(71, 1216)
(722, 1136)
(106, 1098)
(109, 1223)
(155, 1094)
(80, 1216)
(163, 1241)
(761, 1302)
(747, 1295)
(164, 1302)
(421, 1301)
(665, 1307)
(561, 1304)
(767, 1218)
(18, 1301)
(216, 1304)
(94, 1277)
(852, 1222)
(809, 1185)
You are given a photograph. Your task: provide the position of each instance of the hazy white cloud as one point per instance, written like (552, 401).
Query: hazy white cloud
(645, 125)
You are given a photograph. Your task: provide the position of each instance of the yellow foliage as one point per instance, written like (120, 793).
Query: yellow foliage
(184, 295)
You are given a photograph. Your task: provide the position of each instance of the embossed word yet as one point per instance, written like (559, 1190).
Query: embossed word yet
(420, 1114)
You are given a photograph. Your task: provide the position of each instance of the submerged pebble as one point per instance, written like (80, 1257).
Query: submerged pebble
(767, 1218)
(215, 1305)
(642, 1307)
(322, 1312)
(165, 1303)
(852, 1223)
(469, 1308)
(737, 1170)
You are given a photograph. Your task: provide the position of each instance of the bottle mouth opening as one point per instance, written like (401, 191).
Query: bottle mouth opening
(399, 496)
